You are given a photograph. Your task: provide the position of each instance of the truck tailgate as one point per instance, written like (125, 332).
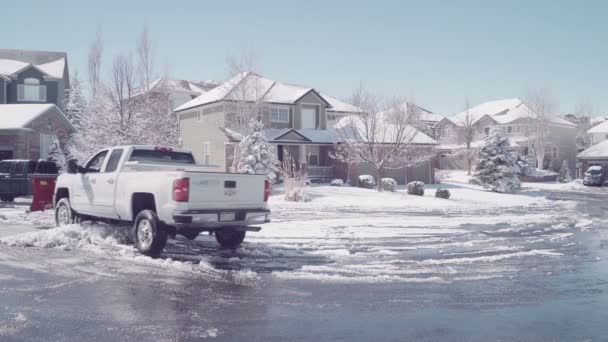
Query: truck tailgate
(221, 190)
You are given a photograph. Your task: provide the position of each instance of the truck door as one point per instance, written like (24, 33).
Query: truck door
(82, 194)
(105, 185)
(18, 180)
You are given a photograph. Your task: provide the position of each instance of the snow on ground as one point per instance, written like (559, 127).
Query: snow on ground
(344, 234)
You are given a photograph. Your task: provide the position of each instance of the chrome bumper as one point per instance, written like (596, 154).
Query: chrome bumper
(210, 219)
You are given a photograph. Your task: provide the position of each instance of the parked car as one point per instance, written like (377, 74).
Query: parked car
(594, 176)
(161, 192)
(15, 176)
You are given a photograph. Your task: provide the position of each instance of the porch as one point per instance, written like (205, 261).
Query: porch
(312, 159)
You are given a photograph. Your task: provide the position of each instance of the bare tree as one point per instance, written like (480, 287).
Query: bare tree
(469, 135)
(145, 56)
(542, 107)
(94, 62)
(583, 111)
(383, 135)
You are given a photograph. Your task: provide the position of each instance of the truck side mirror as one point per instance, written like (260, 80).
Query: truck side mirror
(73, 166)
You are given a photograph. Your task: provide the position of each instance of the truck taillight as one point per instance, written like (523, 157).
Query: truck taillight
(181, 189)
(266, 190)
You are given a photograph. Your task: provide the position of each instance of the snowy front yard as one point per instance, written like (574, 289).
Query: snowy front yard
(343, 234)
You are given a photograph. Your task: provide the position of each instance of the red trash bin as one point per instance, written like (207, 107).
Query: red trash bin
(43, 187)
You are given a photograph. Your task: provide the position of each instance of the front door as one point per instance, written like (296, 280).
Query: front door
(83, 194)
(104, 185)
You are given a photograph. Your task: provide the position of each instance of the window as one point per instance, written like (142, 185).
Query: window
(31, 91)
(5, 167)
(510, 129)
(313, 155)
(94, 165)
(46, 142)
(606, 137)
(206, 153)
(114, 159)
(19, 169)
(161, 156)
(279, 114)
(486, 131)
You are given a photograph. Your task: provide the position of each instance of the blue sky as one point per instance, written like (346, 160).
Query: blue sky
(437, 52)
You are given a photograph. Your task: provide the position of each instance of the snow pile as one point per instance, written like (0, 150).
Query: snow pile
(415, 188)
(72, 237)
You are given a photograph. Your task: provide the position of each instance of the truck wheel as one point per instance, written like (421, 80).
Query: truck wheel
(149, 235)
(229, 238)
(63, 213)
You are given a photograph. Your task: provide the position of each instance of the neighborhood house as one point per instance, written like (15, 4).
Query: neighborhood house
(299, 120)
(33, 86)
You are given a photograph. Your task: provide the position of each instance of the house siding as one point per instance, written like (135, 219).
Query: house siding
(194, 134)
(310, 99)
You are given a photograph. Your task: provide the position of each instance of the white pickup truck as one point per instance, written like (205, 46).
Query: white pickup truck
(162, 192)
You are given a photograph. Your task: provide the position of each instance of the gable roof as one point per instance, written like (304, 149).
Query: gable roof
(596, 151)
(338, 105)
(251, 87)
(388, 131)
(18, 116)
(182, 86)
(503, 112)
(601, 128)
(51, 63)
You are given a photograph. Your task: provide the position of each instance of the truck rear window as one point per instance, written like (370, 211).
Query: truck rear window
(162, 157)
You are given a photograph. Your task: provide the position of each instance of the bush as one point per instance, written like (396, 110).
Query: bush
(415, 188)
(366, 181)
(336, 182)
(388, 184)
(296, 190)
(443, 193)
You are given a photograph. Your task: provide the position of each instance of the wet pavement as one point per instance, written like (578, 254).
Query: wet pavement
(553, 290)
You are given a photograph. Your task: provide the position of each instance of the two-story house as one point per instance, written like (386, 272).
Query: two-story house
(513, 118)
(179, 91)
(33, 87)
(300, 122)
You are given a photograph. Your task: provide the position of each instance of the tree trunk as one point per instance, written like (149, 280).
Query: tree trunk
(378, 182)
(468, 166)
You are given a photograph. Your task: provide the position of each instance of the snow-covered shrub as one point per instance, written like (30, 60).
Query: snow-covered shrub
(415, 188)
(564, 173)
(366, 181)
(388, 184)
(336, 182)
(294, 180)
(57, 155)
(496, 168)
(257, 156)
(443, 193)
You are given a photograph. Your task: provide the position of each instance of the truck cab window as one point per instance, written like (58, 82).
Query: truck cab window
(94, 165)
(114, 159)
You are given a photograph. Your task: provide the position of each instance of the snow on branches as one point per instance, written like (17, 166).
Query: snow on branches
(256, 153)
(496, 168)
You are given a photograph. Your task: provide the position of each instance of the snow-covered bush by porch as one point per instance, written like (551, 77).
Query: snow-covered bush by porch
(443, 193)
(564, 173)
(256, 154)
(336, 182)
(388, 184)
(366, 181)
(496, 168)
(57, 155)
(415, 188)
(295, 180)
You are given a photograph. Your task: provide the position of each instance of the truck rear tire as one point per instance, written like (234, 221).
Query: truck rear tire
(149, 235)
(229, 238)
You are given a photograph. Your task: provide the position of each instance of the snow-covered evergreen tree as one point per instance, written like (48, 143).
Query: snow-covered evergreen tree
(75, 101)
(57, 155)
(564, 173)
(256, 155)
(496, 168)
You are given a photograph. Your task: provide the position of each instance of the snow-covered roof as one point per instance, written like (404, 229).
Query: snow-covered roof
(597, 120)
(386, 132)
(596, 151)
(503, 112)
(601, 128)
(251, 87)
(166, 84)
(338, 105)
(595, 168)
(53, 69)
(15, 116)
